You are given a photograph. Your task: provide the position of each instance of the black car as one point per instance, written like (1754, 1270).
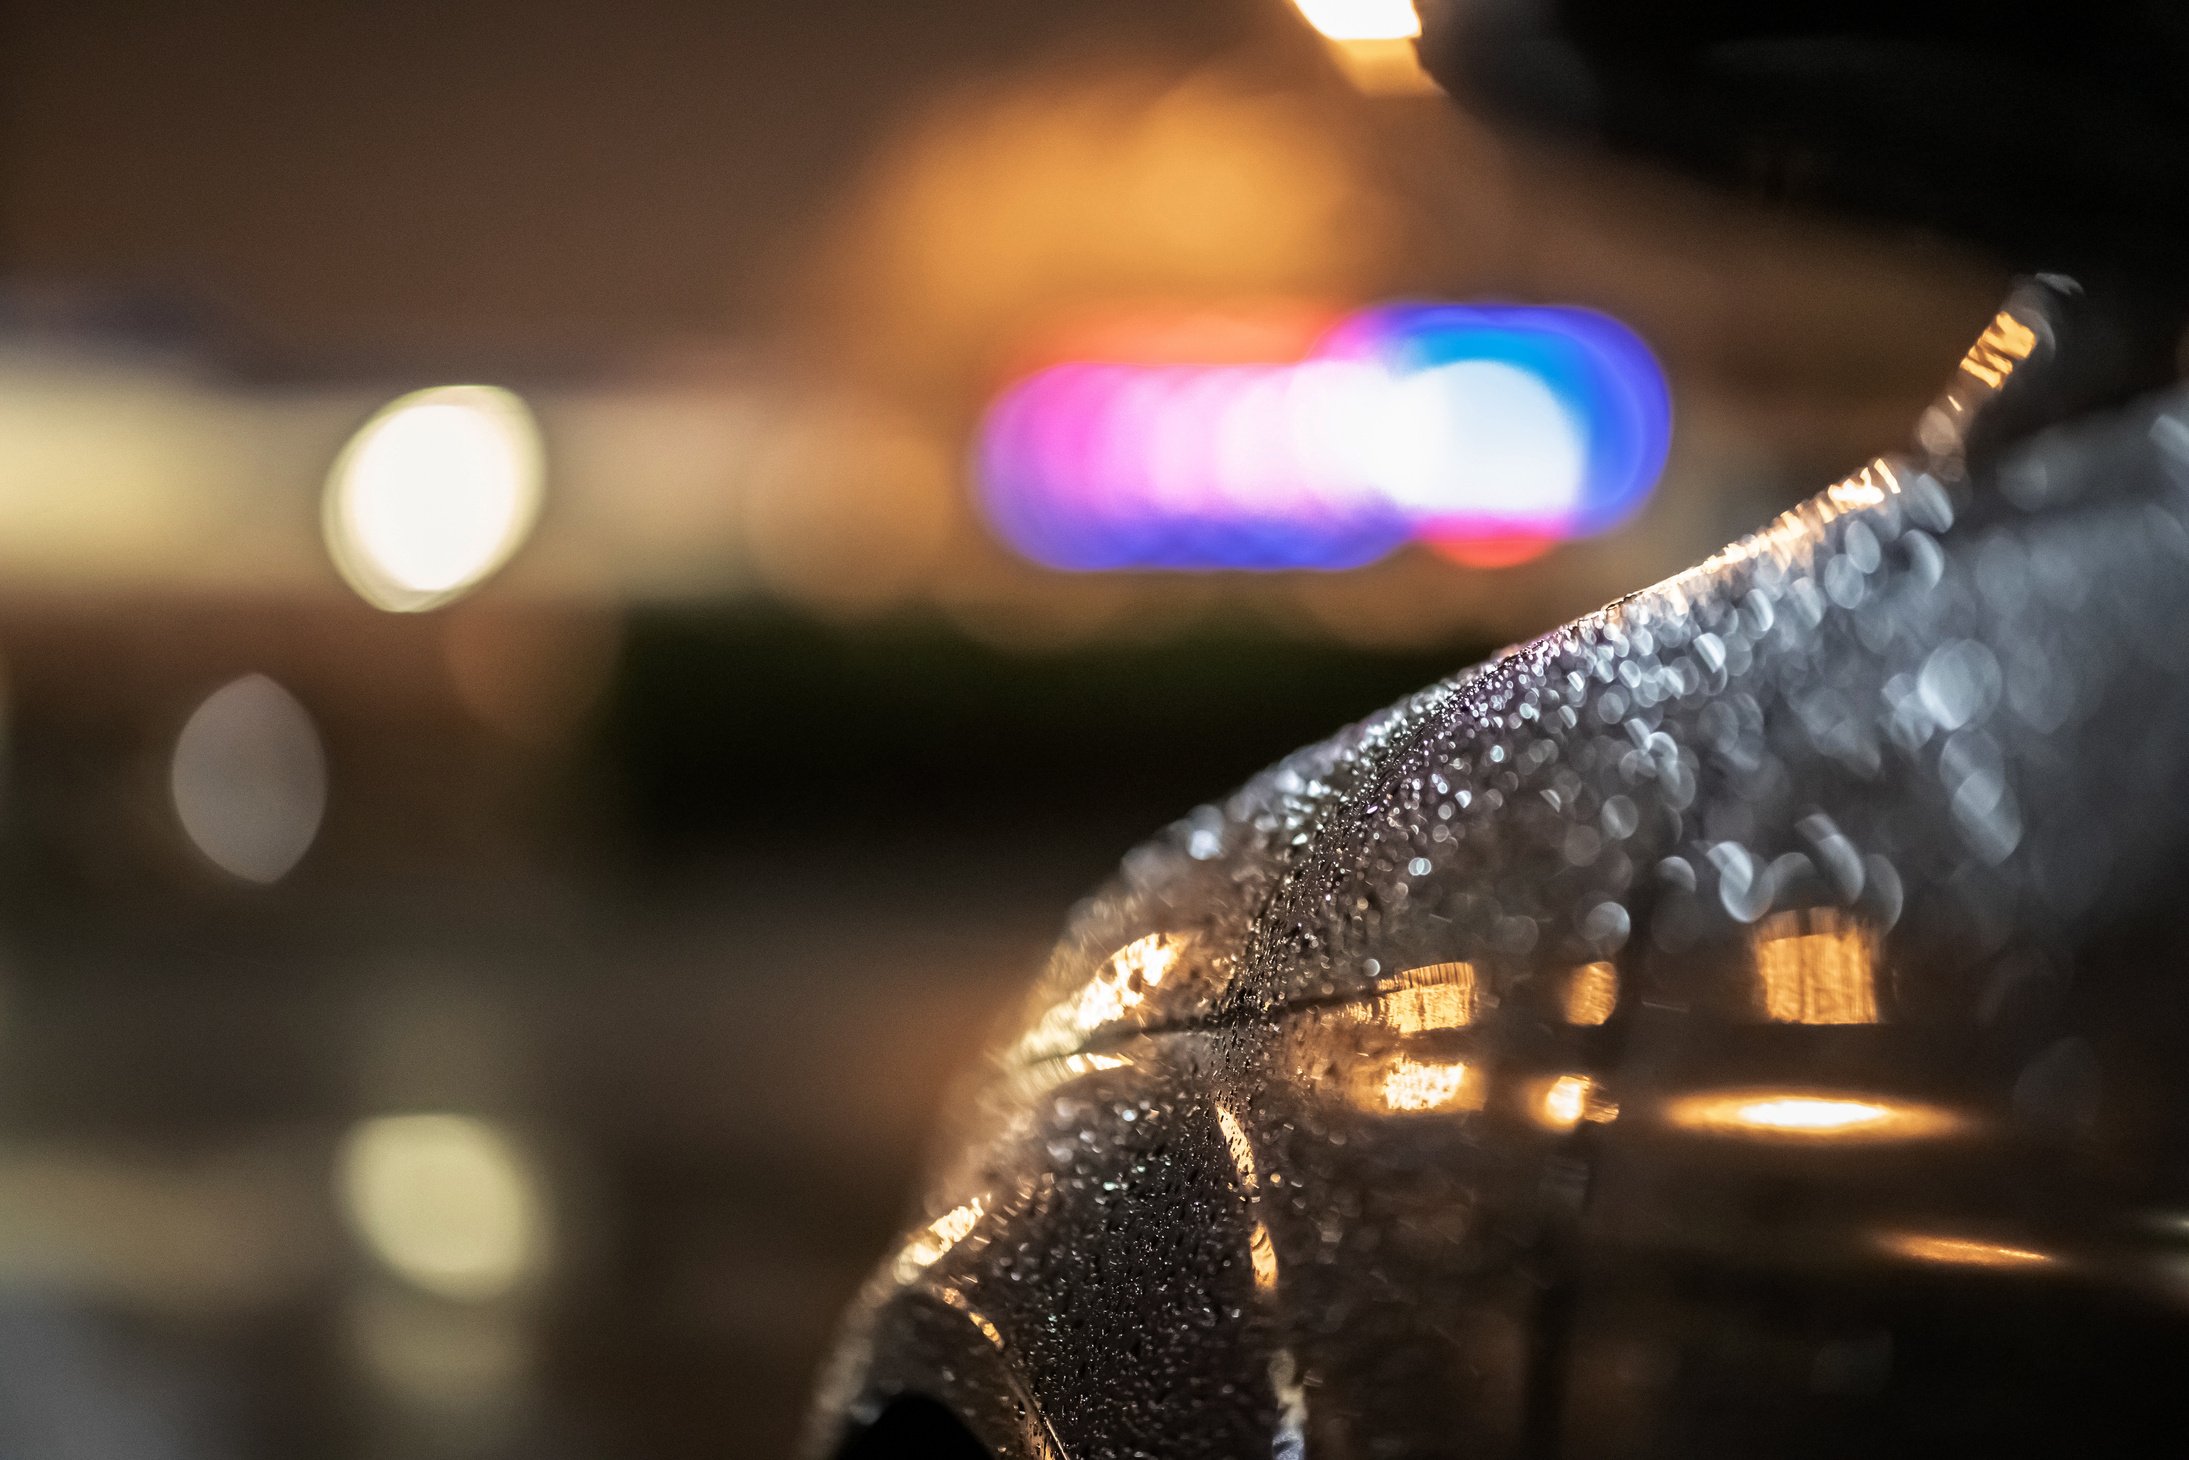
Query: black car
(1752, 1020)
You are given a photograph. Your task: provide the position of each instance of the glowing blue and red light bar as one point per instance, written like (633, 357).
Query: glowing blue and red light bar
(1489, 432)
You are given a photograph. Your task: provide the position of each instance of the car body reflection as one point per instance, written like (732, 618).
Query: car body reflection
(1744, 1022)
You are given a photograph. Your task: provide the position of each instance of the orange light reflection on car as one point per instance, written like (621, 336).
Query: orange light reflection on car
(932, 1243)
(1122, 984)
(1412, 1086)
(1816, 968)
(1793, 1115)
(1568, 1100)
(1962, 1251)
(1435, 996)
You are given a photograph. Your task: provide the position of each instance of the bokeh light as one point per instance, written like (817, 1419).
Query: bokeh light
(1950, 1251)
(249, 779)
(1792, 1115)
(447, 1202)
(433, 494)
(1362, 20)
(1490, 433)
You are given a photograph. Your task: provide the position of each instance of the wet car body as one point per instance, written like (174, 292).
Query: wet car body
(1748, 1021)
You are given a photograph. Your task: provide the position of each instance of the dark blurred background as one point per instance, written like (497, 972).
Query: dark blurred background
(508, 1027)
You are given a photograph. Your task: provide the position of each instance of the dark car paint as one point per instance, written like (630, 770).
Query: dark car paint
(1807, 934)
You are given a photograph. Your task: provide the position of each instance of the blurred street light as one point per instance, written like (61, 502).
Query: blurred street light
(249, 779)
(433, 494)
(1362, 20)
(447, 1202)
(1373, 43)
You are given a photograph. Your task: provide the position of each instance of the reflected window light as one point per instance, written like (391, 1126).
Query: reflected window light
(446, 1202)
(1412, 1086)
(1807, 1116)
(1362, 20)
(932, 1243)
(1591, 993)
(1262, 1252)
(1436, 996)
(249, 779)
(1464, 442)
(433, 494)
(2005, 343)
(1122, 984)
(1570, 1099)
(1385, 67)
(1962, 1251)
(1818, 967)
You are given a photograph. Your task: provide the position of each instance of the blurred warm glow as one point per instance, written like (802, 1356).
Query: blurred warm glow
(1384, 67)
(980, 1321)
(530, 675)
(1413, 1086)
(1091, 181)
(1262, 1252)
(1477, 438)
(2004, 344)
(446, 1202)
(1803, 1116)
(1240, 1149)
(1436, 996)
(1362, 20)
(1962, 1251)
(932, 1243)
(1818, 968)
(1568, 1100)
(249, 779)
(433, 494)
(850, 507)
(1591, 993)
(1038, 1079)
(1121, 984)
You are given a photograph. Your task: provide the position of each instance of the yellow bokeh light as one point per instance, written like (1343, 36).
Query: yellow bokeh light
(446, 1202)
(1362, 20)
(433, 494)
(1805, 1116)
